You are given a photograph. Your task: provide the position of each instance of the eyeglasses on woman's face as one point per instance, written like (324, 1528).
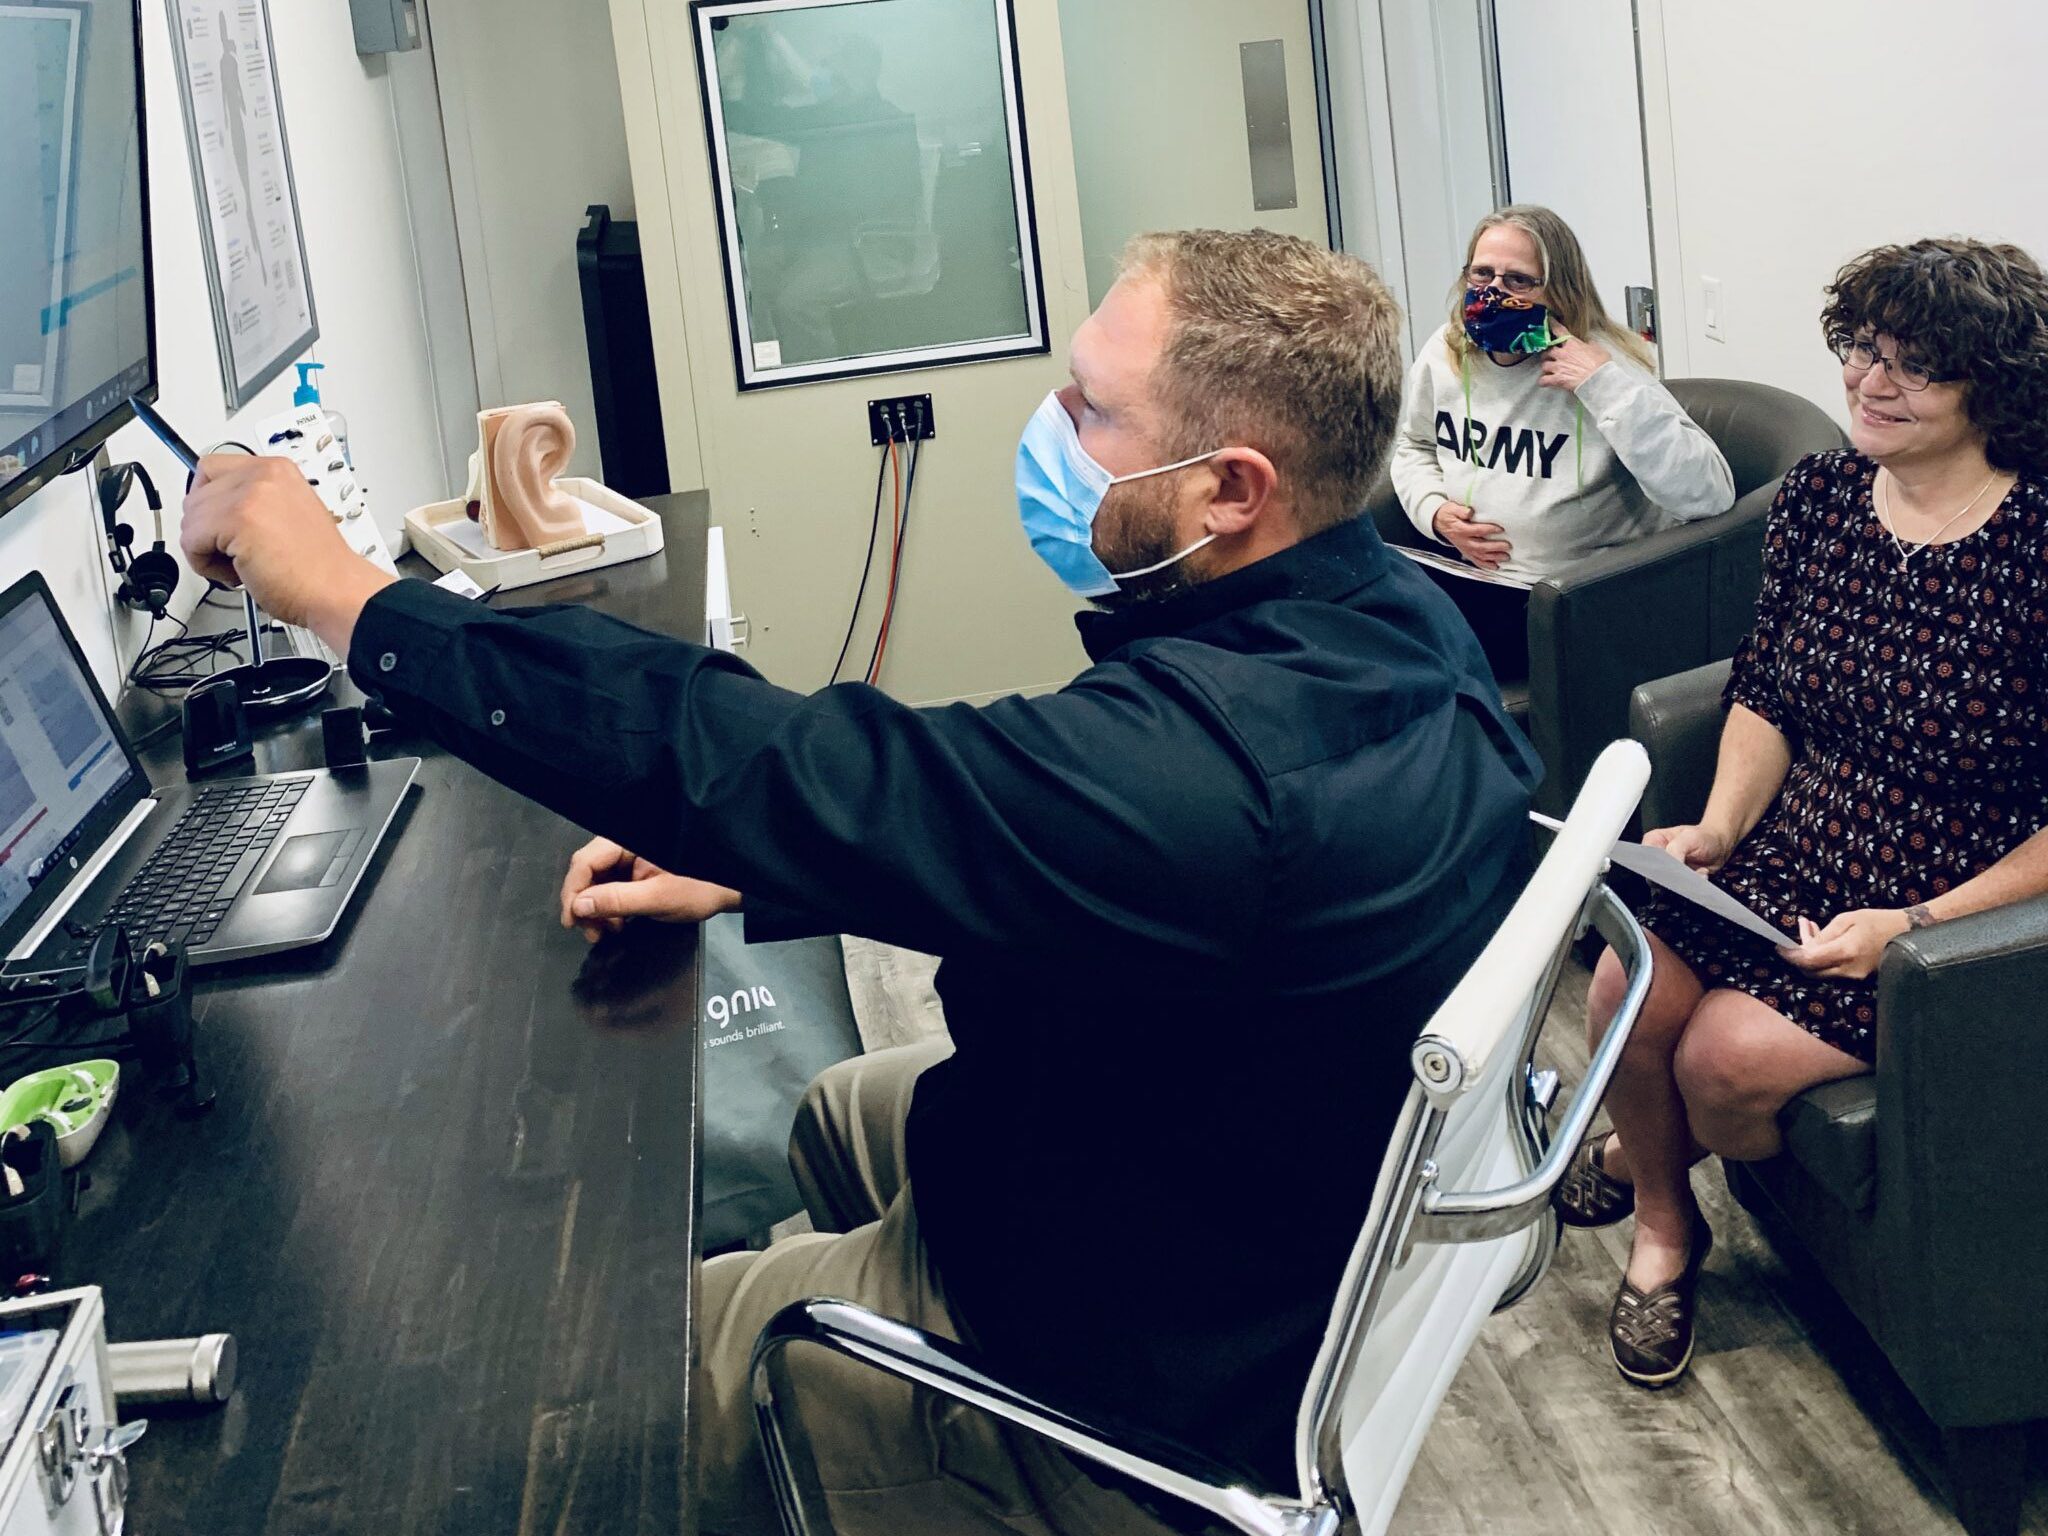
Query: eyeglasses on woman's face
(1480, 276)
(1859, 354)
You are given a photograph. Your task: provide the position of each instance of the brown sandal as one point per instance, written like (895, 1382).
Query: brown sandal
(1587, 1195)
(1651, 1332)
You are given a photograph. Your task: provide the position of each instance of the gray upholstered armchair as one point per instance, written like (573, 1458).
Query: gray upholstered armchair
(1916, 1192)
(1657, 606)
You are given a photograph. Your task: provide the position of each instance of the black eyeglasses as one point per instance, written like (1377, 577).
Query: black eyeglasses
(1859, 354)
(1514, 282)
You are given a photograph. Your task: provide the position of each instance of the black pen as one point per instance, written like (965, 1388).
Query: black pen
(147, 415)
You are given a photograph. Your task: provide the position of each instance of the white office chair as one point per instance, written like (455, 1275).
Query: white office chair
(1460, 1226)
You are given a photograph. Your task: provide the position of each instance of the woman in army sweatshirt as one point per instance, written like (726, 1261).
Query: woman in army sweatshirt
(1534, 432)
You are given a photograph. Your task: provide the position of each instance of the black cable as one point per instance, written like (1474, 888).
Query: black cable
(171, 667)
(157, 732)
(902, 535)
(910, 483)
(41, 1022)
(21, 1041)
(148, 639)
(48, 1022)
(866, 565)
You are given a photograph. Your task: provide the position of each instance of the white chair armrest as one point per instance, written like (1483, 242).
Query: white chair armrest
(1482, 1010)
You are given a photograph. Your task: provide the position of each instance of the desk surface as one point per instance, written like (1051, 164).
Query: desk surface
(445, 1202)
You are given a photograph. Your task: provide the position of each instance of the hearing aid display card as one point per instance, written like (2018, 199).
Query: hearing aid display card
(1660, 868)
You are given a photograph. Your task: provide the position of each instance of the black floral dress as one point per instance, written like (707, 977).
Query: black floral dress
(1912, 700)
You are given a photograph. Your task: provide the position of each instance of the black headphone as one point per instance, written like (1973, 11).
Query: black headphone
(147, 579)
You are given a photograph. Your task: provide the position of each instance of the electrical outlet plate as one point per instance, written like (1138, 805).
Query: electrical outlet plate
(1713, 314)
(901, 419)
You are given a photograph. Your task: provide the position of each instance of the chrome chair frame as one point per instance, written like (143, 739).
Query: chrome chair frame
(1417, 1210)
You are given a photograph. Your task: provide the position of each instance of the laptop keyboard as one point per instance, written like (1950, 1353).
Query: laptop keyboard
(183, 893)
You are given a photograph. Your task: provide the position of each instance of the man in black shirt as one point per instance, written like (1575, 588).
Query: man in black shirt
(1192, 909)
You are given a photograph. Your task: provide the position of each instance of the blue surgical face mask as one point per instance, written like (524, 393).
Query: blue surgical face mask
(1059, 491)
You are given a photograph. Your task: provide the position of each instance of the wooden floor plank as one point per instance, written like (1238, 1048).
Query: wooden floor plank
(1485, 1471)
(1649, 1462)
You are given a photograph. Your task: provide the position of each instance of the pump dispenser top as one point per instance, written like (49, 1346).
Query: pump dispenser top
(308, 392)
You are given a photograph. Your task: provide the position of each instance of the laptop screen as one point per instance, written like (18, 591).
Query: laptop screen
(61, 762)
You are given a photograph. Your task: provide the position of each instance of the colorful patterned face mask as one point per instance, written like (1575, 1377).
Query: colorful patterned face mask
(1500, 322)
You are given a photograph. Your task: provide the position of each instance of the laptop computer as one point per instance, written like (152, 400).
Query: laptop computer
(229, 867)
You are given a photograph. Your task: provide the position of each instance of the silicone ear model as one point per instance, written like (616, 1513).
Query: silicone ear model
(524, 448)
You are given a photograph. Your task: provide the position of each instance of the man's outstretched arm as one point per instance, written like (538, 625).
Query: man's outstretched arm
(1101, 818)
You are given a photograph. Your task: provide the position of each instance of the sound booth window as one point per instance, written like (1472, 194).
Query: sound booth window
(870, 168)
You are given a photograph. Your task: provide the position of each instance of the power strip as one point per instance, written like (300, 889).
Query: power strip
(306, 437)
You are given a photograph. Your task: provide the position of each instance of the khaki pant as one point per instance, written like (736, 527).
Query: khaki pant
(893, 1460)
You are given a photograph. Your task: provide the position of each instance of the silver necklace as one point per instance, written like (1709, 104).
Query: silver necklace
(1884, 518)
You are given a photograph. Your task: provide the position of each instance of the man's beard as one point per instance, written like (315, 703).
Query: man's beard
(1139, 531)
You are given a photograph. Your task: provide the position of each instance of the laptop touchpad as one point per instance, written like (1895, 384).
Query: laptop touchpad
(313, 859)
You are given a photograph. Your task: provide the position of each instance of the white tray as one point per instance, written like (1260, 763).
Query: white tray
(621, 530)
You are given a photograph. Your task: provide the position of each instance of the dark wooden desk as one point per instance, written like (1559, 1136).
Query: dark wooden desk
(445, 1202)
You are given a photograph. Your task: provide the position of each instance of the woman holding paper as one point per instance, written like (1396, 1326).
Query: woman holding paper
(1885, 760)
(1534, 431)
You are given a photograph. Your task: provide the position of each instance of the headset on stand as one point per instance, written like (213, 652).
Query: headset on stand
(147, 579)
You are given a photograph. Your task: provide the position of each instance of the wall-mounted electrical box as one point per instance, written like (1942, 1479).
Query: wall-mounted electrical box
(386, 26)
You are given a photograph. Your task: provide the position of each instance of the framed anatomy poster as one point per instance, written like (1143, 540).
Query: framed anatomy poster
(242, 177)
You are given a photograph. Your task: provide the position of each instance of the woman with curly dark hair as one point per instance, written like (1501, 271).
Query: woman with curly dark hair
(1885, 760)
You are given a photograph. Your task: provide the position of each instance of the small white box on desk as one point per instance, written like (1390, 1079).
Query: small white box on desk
(618, 529)
(64, 1472)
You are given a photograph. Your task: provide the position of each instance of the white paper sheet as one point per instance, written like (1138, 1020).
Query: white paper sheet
(458, 582)
(1660, 868)
(1451, 565)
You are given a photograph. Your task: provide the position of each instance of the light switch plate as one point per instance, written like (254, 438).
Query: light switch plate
(1711, 311)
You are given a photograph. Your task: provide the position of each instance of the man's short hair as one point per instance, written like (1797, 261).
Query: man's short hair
(1283, 346)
